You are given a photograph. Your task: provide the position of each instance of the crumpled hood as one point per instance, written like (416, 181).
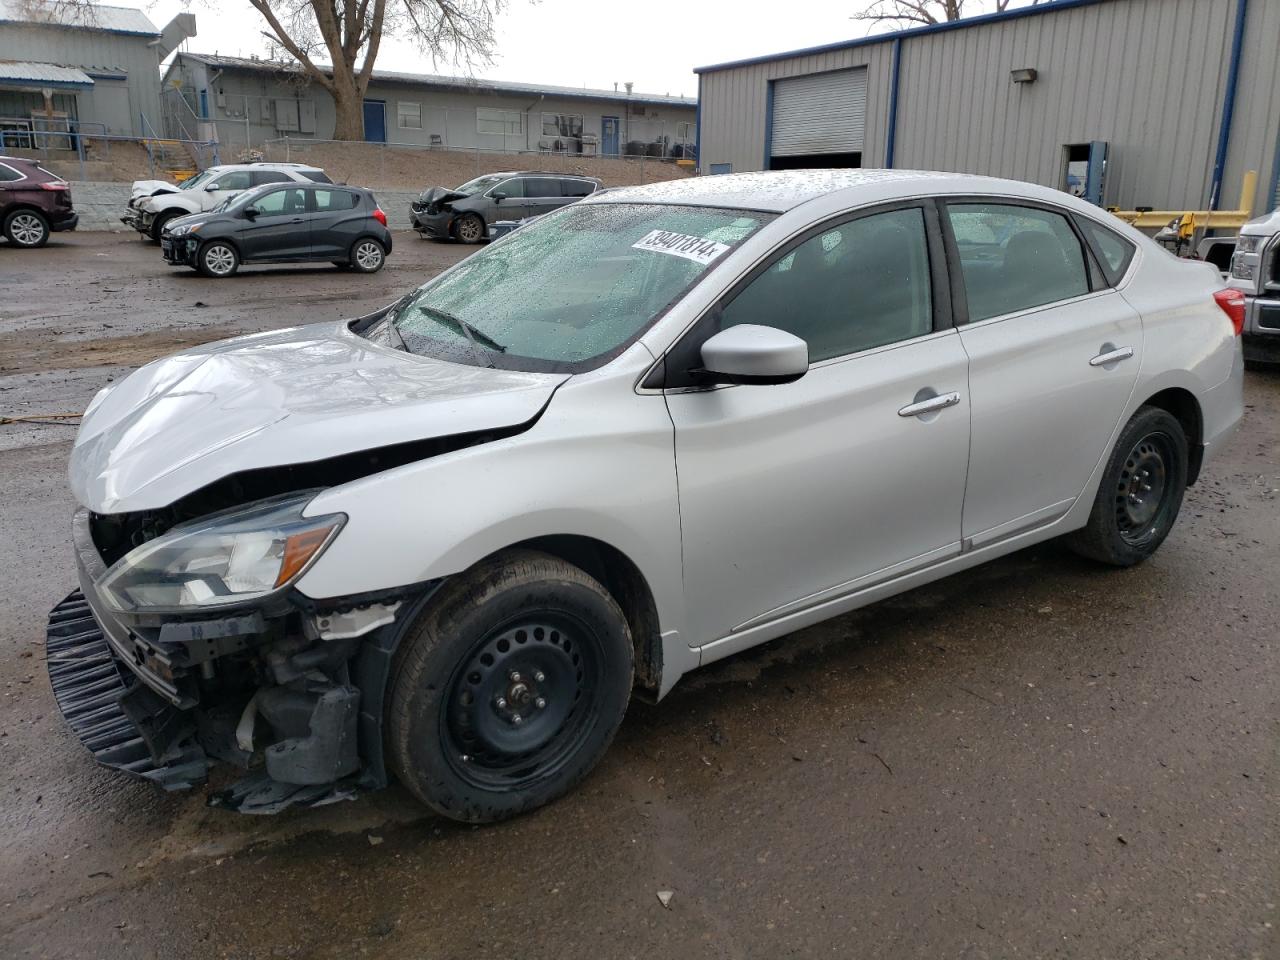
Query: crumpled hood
(289, 396)
(437, 197)
(145, 188)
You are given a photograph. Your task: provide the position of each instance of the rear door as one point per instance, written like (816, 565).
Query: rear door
(281, 230)
(336, 220)
(1054, 352)
(543, 194)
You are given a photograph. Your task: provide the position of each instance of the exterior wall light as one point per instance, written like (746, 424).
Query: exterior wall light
(1024, 75)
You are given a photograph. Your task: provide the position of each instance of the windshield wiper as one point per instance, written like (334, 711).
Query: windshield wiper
(404, 344)
(471, 332)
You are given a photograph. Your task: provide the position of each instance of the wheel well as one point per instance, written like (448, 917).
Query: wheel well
(1184, 407)
(629, 589)
(365, 236)
(21, 205)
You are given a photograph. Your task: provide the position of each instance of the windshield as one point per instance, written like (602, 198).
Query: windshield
(481, 184)
(572, 289)
(195, 181)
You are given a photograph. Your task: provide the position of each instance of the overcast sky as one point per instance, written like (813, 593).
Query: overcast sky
(653, 43)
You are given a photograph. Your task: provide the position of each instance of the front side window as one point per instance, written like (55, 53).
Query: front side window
(860, 285)
(279, 203)
(235, 180)
(571, 289)
(1014, 258)
(510, 188)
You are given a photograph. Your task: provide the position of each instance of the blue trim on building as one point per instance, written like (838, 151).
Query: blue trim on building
(15, 84)
(1036, 10)
(697, 130)
(768, 123)
(1228, 105)
(891, 137)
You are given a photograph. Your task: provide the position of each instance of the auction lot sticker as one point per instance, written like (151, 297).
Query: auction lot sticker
(698, 249)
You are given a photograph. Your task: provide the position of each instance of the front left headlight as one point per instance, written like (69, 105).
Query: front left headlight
(182, 229)
(1247, 243)
(229, 557)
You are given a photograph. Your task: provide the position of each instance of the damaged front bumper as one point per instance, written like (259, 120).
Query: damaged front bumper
(289, 691)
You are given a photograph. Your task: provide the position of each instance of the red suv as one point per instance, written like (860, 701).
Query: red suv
(33, 202)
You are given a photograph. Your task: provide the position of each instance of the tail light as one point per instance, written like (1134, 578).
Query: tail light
(54, 186)
(1232, 304)
(382, 217)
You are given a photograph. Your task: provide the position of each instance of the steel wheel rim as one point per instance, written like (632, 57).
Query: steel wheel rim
(1143, 490)
(469, 230)
(27, 229)
(542, 667)
(219, 260)
(369, 255)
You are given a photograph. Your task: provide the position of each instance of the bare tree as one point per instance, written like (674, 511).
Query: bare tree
(348, 33)
(909, 13)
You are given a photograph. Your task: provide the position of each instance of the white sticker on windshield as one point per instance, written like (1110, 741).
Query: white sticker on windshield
(698, 249)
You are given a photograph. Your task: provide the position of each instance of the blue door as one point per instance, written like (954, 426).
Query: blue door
(375, 121)
(609, 136)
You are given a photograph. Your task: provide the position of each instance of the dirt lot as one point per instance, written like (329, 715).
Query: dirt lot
(1038, 758)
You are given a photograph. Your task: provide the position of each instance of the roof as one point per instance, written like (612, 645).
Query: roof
(780, 191)
(1038, 8)
(42, 74)
(468, 84)
(96, 17)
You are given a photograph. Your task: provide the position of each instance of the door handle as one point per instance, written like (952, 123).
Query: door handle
(297, 220)
(1111, 356)
(931, 405)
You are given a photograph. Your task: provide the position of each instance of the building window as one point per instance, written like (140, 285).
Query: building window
(409, 115)
(507, 122)
(684, 131)
(561, 125)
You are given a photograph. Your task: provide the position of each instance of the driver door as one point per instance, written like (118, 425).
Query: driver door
(226, 185)
(281, 230)
(794, 495)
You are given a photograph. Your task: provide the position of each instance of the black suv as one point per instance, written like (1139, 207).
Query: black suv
(33, 202)
(282, 223)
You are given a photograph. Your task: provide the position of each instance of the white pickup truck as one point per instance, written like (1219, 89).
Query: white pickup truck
(1255, 270)
(153, 203)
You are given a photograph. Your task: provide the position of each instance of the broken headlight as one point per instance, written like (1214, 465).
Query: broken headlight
(241, 554)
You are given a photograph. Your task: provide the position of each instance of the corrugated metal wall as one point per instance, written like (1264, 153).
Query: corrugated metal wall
(1147, 76)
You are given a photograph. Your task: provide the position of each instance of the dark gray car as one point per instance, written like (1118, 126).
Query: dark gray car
(282, 223)
(466, 212)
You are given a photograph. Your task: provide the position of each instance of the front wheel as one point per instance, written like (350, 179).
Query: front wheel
(367, 256)
(1140, 494)
(26, 228)
(218, 259)
(158, 224)
(469, 229)
(509, 688)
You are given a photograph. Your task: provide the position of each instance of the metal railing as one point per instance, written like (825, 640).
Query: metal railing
(86, 141)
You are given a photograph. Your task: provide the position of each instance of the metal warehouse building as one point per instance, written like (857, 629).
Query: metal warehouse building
(1178, 97)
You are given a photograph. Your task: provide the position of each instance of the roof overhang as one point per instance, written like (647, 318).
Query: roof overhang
(31, 75)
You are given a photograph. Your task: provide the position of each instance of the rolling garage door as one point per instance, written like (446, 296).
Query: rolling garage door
(822, 113)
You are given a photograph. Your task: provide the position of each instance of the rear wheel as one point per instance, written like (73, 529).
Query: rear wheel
(26, 228)
(218, 259)
(469, 228)
(1140, 494)
(367, 256)
(509, 688)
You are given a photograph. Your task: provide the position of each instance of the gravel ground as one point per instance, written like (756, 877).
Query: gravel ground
(1037, 758)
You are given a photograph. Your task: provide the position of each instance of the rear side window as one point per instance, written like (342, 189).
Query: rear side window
(335, 200)
(315, 176)
(859, 285)
(269, 176)
(577, 188)
(1014, 258)
(541, 187)
(8, 174)
(1113, 250)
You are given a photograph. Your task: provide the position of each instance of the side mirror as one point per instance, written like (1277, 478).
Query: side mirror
(211, 188)
(251, 212)
(498, 197)
(750, 353)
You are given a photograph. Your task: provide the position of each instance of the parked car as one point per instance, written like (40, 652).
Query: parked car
(153, 203)
(1255, 272)
(467, 212)
(447, 540)
(33, 203)
(282, 224)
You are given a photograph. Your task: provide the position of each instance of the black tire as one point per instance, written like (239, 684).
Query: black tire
(1140, 494)
(368, 255)
(157, 225)
(26, 228)
(218, 259)
(465, 731)
(469, 228)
